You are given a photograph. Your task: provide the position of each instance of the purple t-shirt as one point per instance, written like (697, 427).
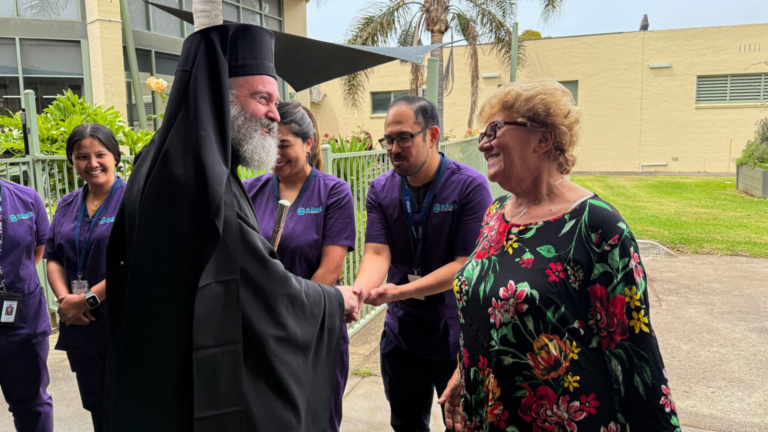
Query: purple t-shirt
(429, 327)
(25, 226)
(61, 247)
(323, 214)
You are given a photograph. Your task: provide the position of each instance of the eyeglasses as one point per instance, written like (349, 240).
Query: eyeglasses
(404, 140)
(493, 127)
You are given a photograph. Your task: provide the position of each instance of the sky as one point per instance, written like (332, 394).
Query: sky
(330, 21)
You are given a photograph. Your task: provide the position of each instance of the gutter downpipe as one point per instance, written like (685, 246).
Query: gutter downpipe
(513, 66)
(133, 64)
(651, 164)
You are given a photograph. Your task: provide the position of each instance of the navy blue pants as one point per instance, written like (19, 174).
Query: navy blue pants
(89, 369)
(24, 379)
(410, 382)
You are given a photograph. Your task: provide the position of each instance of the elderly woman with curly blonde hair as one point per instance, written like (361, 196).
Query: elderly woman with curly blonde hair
(553, 303)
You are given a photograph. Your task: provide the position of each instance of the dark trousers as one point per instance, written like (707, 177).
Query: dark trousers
(342, 373)
(24, 380)
(410, 382)
(89, 369)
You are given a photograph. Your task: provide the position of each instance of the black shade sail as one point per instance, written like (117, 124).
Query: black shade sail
(304, 62)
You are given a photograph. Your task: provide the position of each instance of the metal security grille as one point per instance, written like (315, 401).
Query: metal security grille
(731, 88)
(573, 87)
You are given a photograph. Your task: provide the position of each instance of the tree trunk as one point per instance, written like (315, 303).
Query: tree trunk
(207, 13)
(437, 38)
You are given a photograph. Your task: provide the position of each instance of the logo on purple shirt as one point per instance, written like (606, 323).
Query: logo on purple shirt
(106, 220)
(21, 216)
(310, 210)
(444, 207)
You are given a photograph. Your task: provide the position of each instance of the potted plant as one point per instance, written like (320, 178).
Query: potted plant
(752, 165)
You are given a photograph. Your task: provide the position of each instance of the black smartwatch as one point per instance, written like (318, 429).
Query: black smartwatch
(91, 300)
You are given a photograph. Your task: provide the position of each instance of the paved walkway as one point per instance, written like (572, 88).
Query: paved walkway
(709, 315)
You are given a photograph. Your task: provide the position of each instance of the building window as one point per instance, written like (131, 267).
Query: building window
(165, 68)
(10, 91)
(573, 87)
(732, 88)
(380, 101)
(58, 9)
(50, 67)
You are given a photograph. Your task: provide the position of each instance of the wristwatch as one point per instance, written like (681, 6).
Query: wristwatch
(91, 300)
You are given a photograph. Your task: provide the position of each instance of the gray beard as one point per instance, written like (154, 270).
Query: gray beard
(256, 151)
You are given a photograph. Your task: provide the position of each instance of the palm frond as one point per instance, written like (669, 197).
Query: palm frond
(377, 25)
(550, 10)
(411, 36)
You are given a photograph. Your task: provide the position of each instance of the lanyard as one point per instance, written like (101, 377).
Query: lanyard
(80, 215)
(424, 215)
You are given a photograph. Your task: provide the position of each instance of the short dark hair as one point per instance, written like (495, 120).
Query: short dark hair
(96, 131)
(424, 112)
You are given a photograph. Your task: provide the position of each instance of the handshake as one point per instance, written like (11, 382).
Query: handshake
(354, 297)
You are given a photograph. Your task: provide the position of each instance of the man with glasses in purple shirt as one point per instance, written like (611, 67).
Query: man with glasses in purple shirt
(424, 217)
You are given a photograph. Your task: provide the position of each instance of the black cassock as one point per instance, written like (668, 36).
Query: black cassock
(208, 331)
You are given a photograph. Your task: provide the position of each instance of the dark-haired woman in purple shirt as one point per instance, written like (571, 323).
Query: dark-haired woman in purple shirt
(320, 226)
(76, 252)
(24, 323)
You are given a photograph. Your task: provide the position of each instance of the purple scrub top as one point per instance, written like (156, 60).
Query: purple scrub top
(25, 226)
(61, 247)
(429, 327)
(323, 214)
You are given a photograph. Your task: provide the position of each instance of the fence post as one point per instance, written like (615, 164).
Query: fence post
(39, 185)
(513, 66)
(327, 152)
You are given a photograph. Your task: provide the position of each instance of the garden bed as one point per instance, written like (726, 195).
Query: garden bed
(753, 181)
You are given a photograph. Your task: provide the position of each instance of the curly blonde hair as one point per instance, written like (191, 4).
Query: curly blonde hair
(545, 105)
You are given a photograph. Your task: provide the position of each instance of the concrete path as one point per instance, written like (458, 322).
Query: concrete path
(709, 313)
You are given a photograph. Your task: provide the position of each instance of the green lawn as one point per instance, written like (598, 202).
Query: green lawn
(704, 215)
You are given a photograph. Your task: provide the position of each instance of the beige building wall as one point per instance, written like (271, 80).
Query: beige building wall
(632, 114)
(105, 44)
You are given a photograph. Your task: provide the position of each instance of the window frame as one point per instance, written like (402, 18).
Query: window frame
(391, 98)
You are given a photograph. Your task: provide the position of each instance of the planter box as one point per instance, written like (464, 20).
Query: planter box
(752, 181)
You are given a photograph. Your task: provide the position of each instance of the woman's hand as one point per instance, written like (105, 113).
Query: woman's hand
(451, 402)
(73, 310)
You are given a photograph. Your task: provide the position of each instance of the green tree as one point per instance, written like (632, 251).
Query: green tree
(404, 22)
(530, 34)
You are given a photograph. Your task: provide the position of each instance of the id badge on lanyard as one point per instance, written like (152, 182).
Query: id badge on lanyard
(10, 304)
(81, 286)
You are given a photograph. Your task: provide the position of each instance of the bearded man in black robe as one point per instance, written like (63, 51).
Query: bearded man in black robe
(208, 332)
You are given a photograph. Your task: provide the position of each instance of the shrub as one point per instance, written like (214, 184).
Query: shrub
(58, 120)
(755, 154)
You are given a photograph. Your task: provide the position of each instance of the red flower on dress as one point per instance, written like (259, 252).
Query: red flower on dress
(550, 356)
(497, 311)
(465, 354)
(492, 235)
(609, 318)
(537, 408)
(612, 242)
(613, 427)
(568, 413)
(555, 272)
(666, 400)
(497, 415)
(513, 298)
(635, 264)
(483, 363)
(588, 404)
(597, 238)
(527, 260)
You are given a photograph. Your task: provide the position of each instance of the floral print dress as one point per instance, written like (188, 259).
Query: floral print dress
(555, 329)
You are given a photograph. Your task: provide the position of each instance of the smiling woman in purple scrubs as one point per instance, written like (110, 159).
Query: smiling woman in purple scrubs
(320, 226)
(24, 324)
(76, 252)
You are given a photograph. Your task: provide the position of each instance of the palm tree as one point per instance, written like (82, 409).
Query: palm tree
(405, 21)
(207, 13)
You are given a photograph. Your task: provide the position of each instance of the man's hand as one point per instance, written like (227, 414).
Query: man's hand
(351, 302)
(74, 310)
(451, 402)
(384, 294)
